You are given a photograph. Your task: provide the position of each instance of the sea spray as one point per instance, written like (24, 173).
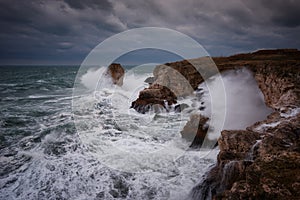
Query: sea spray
(244, 101)
(51, 162)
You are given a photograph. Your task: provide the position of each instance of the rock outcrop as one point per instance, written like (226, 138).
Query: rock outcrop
(179, 78)
(116, 72)
(262, 162)
(183, 77)
(195, 130)
(276, 73)
(154, 97)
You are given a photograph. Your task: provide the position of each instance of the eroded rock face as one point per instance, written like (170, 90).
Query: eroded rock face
(274, 172)
(236, 143)
(262, 162)
(276, 72)
(279, 85)
(116, 72)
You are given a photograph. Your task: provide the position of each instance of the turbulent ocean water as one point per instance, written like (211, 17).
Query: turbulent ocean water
(67, 133)
(56, 145)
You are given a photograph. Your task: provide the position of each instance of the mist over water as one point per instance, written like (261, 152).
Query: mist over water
(244, 101)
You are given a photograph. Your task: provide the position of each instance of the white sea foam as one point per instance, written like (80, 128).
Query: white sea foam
(112, 136)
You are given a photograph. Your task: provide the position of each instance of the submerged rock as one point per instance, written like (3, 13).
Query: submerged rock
(116, 72)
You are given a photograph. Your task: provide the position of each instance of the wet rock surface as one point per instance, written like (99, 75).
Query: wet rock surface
(256, 163)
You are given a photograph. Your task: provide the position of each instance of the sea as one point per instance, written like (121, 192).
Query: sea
(68, 134)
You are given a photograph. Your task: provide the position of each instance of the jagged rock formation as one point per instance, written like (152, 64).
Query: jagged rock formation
(262, 162)
(156, 96)
(276, 73)
(182, 78)
(179, 78)
(116, 72)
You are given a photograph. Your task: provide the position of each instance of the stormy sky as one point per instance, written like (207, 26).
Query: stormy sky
(65, 31)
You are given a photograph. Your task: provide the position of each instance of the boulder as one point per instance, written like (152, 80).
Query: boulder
(116, 72)
(195, 130)
(154, 96)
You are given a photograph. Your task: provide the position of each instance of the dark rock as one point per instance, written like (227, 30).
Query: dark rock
(154, 95)
(201, 108)
(195, 130)
(237, 142)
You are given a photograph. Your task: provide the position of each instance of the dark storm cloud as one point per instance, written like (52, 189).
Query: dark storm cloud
(53, 30)
(223, 27)
(66, 30)
(284, 13)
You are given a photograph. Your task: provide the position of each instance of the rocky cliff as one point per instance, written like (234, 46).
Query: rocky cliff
(263, 161)
(182, 78)
(179, 79)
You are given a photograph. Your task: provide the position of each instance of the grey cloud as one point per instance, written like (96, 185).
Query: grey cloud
(35, 29)
(41, 29)
(239, 25)
(285, 13)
